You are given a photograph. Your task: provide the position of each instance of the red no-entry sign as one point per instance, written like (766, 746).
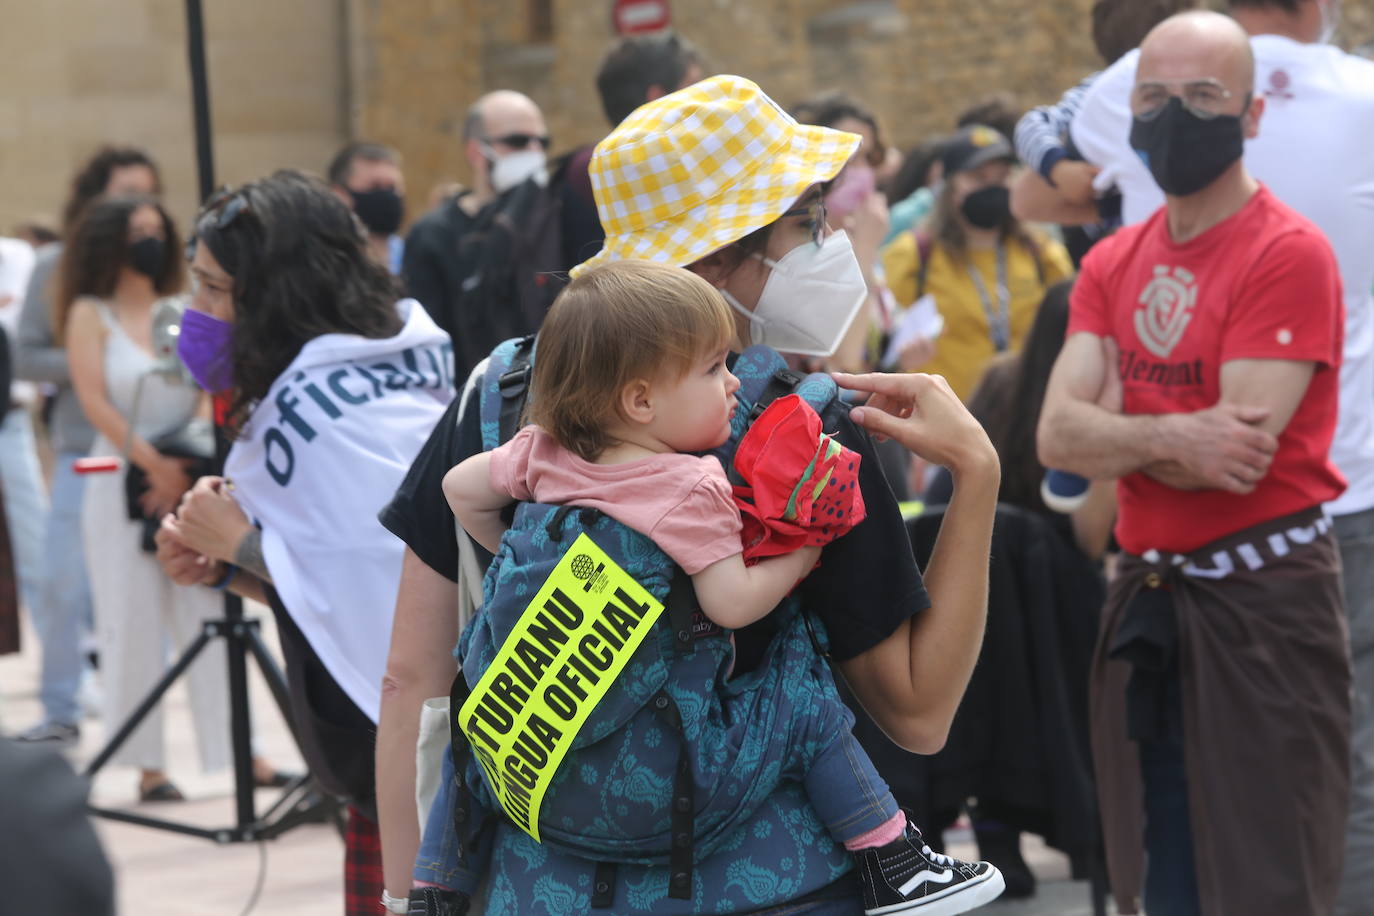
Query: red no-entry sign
(631, 17)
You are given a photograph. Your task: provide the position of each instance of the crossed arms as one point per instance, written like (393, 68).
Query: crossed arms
(1228, 446)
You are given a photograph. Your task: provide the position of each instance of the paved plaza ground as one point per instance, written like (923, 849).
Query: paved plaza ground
(165, 874)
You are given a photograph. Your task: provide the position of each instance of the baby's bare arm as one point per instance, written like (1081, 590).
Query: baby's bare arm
(734, 595)
(475, 502)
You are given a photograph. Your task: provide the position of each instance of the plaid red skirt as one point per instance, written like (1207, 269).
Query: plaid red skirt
(362, 866)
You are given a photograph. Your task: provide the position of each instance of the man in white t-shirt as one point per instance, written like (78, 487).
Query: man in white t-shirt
(1315, 152)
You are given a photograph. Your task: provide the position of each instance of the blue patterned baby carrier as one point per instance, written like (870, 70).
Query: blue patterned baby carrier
(675, 757)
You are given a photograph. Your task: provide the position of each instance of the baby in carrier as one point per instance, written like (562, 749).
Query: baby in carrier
(629, 382)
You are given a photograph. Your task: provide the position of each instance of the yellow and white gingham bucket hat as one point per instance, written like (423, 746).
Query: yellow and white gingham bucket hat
(691, 172)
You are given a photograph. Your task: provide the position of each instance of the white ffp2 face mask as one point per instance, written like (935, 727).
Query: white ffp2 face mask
(514, 168)
(809, 300)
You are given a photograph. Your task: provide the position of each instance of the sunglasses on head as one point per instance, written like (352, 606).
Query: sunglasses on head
(219, 212)
(522, 141)
(224, 207)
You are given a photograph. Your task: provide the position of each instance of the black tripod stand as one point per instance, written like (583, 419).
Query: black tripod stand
(299, 803)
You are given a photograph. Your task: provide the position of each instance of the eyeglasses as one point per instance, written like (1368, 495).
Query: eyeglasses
(522, 141)
(814, 211)
(1204, 98)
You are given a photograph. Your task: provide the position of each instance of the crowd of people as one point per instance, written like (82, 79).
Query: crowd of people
(764, 360)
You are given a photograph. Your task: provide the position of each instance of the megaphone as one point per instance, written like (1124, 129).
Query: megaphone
(167, 314)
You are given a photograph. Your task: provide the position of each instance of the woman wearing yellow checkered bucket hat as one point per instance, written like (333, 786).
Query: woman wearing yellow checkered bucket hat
(718, 178)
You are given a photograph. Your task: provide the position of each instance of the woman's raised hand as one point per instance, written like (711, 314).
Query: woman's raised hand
(924, 414)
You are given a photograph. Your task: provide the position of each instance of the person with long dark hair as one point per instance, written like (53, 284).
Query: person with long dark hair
(329, 388)
(121, 258)
(63, 604)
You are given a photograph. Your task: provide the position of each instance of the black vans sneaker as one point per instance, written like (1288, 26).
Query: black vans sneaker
(437, 901)
(905, 876)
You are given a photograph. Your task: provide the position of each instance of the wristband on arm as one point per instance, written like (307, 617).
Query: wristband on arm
(220, 584)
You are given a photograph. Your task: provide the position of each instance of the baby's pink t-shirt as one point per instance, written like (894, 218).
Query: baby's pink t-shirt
(681, 502)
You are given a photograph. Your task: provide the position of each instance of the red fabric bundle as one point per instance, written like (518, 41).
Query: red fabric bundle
(800, 486)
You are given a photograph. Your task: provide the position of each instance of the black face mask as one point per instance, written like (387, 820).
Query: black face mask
(147, 256)
(380, 209)
(1186, 153)
(987, 208)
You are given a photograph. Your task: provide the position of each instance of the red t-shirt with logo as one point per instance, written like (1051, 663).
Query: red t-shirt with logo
(1262, 284)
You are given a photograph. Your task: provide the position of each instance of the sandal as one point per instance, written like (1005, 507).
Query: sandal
(161, 792)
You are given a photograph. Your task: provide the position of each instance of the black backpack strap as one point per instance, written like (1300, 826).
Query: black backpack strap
(515, 386)
(603, 886)
(682, 607)
(783, 383)
(460, 751)
(585, 514)
(682, 850)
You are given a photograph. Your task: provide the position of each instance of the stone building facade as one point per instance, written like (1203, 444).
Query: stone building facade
(76, 74)
(292, 81)
(917, 63)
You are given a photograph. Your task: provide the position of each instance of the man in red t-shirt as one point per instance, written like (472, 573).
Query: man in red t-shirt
(1201, 368)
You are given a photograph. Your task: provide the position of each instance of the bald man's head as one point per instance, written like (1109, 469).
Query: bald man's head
(501, 125)
(1199, 45)
(1193, 102)
(502, 112)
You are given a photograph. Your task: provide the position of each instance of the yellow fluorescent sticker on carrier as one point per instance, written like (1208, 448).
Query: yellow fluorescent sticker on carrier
(562, 656)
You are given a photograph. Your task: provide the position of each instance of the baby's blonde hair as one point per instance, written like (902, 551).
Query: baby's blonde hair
(615, 323)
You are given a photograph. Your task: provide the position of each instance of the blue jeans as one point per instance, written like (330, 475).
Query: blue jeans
(64, 597)
(1355, 534)
(847, 792)
(1170, 870)
(436, 862)
(26, 505)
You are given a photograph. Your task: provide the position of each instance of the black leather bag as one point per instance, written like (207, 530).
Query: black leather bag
(195, 442)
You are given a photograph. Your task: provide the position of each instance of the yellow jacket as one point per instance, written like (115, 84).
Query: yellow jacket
(965, 345)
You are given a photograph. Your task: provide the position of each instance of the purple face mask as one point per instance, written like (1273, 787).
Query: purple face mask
(205, 346)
